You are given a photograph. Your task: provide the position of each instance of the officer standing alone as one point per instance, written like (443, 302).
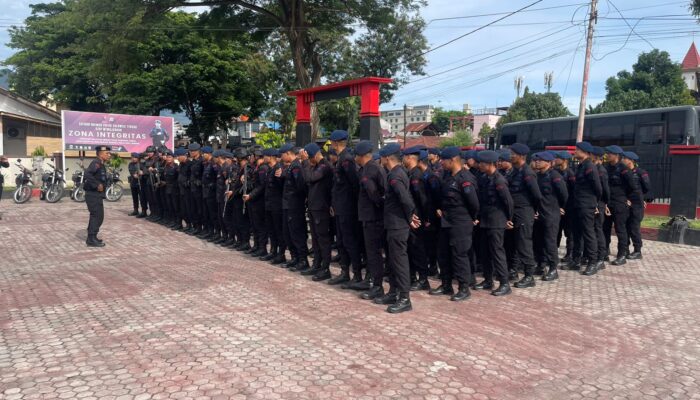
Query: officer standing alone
(95, 183)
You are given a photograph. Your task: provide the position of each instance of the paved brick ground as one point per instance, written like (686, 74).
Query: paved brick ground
(162, 315)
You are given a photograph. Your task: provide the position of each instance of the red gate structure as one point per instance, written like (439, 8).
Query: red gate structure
(366, 88)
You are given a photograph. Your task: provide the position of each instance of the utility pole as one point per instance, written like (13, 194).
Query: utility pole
(584, 90)
(548, 81)
(404, 124)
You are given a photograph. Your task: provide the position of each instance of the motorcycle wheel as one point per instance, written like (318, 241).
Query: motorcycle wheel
(79, 194)
(114, 192)
(54, 193)
(22, 194)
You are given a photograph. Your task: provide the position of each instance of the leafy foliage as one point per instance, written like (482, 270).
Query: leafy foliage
(441, 118)
(486, 131)
(269, 139)
(460, 138)
(112, 56)
(39, 151)
(534, 106)
(655, 81)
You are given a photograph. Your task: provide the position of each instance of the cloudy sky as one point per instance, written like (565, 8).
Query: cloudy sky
(480, 68)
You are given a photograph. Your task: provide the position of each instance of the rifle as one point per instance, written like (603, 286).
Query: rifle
(245, 186)
(228, 187)
(138, 176)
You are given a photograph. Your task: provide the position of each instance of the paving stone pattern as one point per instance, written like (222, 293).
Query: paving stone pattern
(158, 314)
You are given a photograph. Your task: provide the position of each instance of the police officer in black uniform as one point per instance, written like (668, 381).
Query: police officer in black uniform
(256, 204)
(598, 154)
(209, 217)
(294, 208)
(430, 221)
(95, 185)
(636, 202)
(318, 175)
(587, 193)
(551, 208)
(171, 192)
(183, 182)
(495, 216)
(4, 163)
(195, 183)
(241, 180)
(617, 212)
(417, 256)
(150, 163)
(458, 209)
(561, 164)
(399, 218)
(526, 199)
(345, 190)
(220, 160)
(274, 218)
(134, 168)
(370, 213)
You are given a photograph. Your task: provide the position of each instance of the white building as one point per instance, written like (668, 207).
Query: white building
(691, 68)
(413, 114)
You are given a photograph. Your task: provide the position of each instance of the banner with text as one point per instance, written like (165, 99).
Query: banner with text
(124, 133)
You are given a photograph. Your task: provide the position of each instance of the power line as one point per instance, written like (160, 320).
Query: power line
(504, 13)
(474, 31)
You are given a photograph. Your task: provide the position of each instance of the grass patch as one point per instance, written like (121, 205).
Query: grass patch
(652, 221)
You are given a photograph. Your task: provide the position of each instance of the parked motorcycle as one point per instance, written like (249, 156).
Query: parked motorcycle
(78, 192)
(23, 180)
(115, 190)
(52, 184)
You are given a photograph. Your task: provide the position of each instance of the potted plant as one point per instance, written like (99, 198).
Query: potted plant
(38, 156)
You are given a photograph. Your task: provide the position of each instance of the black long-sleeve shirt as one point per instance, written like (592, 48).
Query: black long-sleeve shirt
(459, 199)
(294, 191)
(95, 175)
(346, 184)
(273, 189)
(259, 183)
(526, 195)
(370, 202)
(319, 177)
(398, 204)
(495, 202)
(554, 194)
(588, 189)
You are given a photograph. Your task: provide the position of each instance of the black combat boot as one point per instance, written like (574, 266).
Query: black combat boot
(444, 289)
(591, 269)
(364, 284)
(373, 293)
(93, 242)
(315, 268)
(269, 256)
(142, 215)
(636, 255)
(503, 289)
(551, 274)
(527, 282)
(513, 275)
(420, 284)
(292, 262)
(389, 298)
(134, 213)
(403, 304)
(279, 259)
(342, 278)
(301, 266)
(462, 293)
(484, 285)
(323, 273)
(539, 270)
(619, 261)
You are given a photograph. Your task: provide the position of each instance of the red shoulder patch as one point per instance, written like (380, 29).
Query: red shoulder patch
(414, 182)
(392, 182)
(465, 184)
(557, 180)
(499, 187)
(528, 178)
(589, 170)
(623, 172)
(364, 179)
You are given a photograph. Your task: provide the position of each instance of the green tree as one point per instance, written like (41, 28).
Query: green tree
(67, 54)
(322, 39)
(486, 131)
(441, 118)
(655, 81)
(460, 138)
(533, 105)
(269, 139)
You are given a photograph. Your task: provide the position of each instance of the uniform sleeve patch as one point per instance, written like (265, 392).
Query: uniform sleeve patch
(414, 182)
(392, 182)
(528, 177)
(466, 184)
(364, 179)
(500, 187)
(557, 179)
(589, 170)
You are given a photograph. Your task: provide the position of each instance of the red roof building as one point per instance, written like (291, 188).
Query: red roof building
(691, 68)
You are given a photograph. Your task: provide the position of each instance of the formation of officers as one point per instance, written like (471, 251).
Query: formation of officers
(402, 215)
